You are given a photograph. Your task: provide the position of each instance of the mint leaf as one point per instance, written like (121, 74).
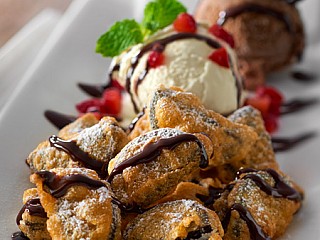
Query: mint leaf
(161, 13)
(119, 37)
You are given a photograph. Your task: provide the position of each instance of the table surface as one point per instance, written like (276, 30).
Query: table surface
(14, 14)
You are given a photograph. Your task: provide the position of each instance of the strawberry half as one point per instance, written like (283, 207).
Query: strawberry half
(155, 59)
(83, 106)
(260, 103)
(275, 96)
(220, 56)
(111, 101)
(219, 32)
(185, 23)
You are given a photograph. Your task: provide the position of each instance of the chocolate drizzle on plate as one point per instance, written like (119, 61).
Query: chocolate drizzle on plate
(153, 149)
(303, 76)
(281, 144)
(255, 230)
(59, 120)
(33, 207)
(296, 105)
(280, 190)
(292, 2)
(19, 236)
(251, 7)
(94, 90)
(71, 148)
(59, 185)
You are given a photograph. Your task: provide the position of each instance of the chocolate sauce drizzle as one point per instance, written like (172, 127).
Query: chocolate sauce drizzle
(58, 119)
(297, 105)
(250, 7)
(255, 230)
(283, 144)
(303, 76)
(214, 194)
(292, 2)
(33, 207)
(280, 190)
(197, 234)
(59, 185)
(153, 149)
(71, 148)
(159, 45)
(94, 90)
(136, 119)
(19, 236)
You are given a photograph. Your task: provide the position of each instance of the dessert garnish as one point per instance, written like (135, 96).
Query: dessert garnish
(157, 15)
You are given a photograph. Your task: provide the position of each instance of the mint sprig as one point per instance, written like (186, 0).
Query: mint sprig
(161, 13)
(124, 34)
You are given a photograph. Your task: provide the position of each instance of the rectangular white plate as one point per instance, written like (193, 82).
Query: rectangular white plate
(69, 58)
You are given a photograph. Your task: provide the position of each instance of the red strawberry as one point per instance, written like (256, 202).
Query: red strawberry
(219, 32)
(155, 59)
(185, 23)
(116, 84)
(83, 106)
(260, 103)
(111, 101)
(220, 56)
(271, 123)
(275, 96)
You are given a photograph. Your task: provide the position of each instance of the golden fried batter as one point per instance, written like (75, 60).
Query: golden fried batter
(143, 184)
(82, 209)
(101, 142)
(271, 212)
(184, 111)
(32, 217)
(182, 219)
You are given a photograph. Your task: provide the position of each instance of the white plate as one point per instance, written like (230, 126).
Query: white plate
(69, 58)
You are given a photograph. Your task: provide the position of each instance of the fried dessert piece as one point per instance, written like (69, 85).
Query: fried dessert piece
(182, 110)
(74, 128)
(32, 218)
(177, 220)
(79, 205)
(151, 165)
(268, 35)
(92, 148)
(140, 125)
(258, 205)
(261, 154)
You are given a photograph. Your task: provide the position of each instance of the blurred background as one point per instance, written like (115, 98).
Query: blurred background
(14, 14)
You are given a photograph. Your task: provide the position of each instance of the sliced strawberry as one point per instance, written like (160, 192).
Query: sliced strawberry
(275, 96)
(111, 101)
(260, 103)
(271, 123)
(185, 23)
(155, 59)
(220, 56)
(116, 84)
(83, 106)
(219, 32)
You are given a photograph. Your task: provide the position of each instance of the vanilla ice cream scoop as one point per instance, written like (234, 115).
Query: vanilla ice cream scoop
(186, 65)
